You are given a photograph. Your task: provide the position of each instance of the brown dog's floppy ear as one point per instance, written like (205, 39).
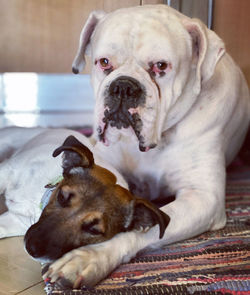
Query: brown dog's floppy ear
(93, 19)
(147, 215)
(75, 154)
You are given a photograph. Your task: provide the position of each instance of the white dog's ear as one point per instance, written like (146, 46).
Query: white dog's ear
(88, 29)
(208, 48)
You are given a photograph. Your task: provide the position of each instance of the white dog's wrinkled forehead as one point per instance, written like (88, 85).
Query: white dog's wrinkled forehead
(138, 32)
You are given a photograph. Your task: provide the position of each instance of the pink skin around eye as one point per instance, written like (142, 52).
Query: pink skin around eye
(156, 70)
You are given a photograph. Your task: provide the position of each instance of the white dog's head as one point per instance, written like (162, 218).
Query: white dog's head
(145, 60)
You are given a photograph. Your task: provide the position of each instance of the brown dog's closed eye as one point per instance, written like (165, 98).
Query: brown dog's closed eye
(93, 224)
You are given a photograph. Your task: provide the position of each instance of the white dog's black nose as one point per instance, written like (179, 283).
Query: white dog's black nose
(127, 90)
(123, 94)
(122, 99)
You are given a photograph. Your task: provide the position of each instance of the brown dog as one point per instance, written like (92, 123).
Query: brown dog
(87, 207)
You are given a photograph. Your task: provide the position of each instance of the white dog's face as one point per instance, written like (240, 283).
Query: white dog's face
(135, 65)
(142, 58)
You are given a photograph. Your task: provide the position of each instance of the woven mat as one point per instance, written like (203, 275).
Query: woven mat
(213, 263)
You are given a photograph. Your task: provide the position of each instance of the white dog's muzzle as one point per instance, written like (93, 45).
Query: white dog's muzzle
(127, 105)
(122, 99)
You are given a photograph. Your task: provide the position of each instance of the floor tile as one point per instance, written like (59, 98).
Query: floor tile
(17, 270)
(35, 290)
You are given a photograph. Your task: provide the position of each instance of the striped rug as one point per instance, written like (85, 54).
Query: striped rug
(213, 263)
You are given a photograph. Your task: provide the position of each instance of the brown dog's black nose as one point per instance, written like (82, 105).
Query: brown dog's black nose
(42, 240)
(33, 246)
(127, 90)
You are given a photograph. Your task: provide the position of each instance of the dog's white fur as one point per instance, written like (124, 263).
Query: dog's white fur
(26, 167)
(198, 117)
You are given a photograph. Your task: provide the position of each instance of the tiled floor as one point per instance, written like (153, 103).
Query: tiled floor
(37, 100)
(19, 274)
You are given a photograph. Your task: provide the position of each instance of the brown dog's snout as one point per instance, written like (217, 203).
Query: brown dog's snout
(32, 245)
(43, 241)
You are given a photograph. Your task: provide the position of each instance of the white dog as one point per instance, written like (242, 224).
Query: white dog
(163, 82)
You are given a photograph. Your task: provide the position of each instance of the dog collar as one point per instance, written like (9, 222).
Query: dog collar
(46, 197)
(50, 188)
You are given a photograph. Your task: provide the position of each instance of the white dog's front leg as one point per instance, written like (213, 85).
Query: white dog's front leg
(192, 213)
(90, 264)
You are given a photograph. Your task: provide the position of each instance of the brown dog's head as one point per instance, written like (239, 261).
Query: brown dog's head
(87, 207)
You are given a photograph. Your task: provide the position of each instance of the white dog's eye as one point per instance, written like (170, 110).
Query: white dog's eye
(159, 68)
(104, 62)
(105, 65)
(161, 65)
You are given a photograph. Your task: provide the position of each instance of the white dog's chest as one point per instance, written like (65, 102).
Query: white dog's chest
(148, 186)
(142, 171)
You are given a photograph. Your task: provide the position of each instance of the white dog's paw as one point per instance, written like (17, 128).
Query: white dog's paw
(85, 266)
